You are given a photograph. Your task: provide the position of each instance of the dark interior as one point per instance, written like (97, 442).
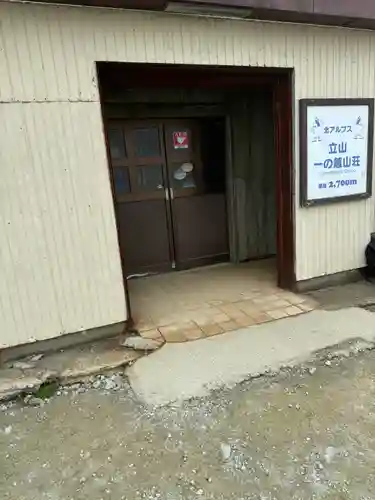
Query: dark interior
(213, 153)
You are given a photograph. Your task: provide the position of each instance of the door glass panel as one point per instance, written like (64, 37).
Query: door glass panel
(182, 176)
(147, 142)
(150, 177)
(116, 143)
(121, 181)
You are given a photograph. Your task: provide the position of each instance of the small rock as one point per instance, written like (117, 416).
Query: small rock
(33, 401)
(199, 492)
(118, 380)
(23, 365)
(36, 357)
(328, 363)
(8, 430)
(141, 344)
(96, 384)
(109, 384)
(312, 370)
(329, 454)
(226, 451)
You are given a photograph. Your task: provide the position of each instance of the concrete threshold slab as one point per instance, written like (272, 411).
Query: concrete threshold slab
(177, 372)
(74, 364)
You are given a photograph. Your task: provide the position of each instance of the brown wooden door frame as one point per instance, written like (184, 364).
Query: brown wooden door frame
(163, 194)
(283, 118)
(171, 156)
(184, 198)
(131, 161)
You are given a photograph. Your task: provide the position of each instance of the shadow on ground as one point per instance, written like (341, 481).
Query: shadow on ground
(359, 294)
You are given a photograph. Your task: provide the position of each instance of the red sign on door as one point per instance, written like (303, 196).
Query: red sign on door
(180, 140)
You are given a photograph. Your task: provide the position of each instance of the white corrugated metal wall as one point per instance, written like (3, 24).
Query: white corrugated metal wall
(58, 246)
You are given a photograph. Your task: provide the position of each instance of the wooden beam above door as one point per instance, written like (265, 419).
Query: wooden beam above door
(348, 13)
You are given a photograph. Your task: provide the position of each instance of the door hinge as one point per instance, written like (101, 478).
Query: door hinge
(171, 194)
(166, 190)
(173, 264)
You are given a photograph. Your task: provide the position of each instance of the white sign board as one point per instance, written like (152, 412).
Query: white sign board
(336, 150)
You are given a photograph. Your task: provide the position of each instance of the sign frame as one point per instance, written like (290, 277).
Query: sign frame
(304, 104)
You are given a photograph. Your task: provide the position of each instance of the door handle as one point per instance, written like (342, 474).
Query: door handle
(169, 194)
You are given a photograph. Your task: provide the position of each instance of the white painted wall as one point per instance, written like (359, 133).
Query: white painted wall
(59, 258)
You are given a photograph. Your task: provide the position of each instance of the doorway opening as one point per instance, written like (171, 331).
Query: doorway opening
(201, 168)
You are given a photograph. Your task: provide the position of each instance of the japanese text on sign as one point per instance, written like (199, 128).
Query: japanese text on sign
(337, 149)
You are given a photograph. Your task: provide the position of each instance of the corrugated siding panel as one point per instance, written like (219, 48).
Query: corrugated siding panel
(47, 55)
(59, 257)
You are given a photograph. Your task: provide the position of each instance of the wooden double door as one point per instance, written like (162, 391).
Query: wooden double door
(170, 214)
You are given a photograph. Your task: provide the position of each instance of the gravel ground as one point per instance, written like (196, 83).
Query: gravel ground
(301, 434)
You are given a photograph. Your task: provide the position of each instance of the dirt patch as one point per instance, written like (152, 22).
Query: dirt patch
(305, 433)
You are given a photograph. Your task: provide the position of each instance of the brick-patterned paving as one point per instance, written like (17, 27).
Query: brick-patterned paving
(199, 303)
